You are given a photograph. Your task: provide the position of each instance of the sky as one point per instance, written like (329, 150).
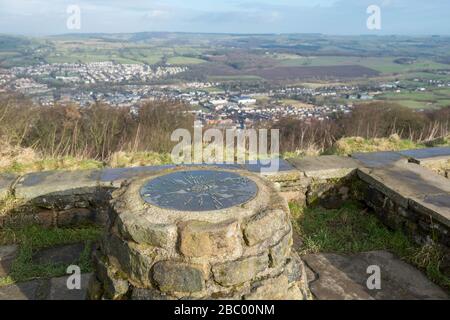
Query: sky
(337, 17)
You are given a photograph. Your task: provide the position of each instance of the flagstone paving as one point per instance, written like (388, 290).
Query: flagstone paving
(345, 277)
(46, 289)
(429, 154)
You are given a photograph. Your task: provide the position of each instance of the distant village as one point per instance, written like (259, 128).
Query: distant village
(128, 85)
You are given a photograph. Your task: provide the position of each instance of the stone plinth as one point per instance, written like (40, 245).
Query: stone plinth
(198, 234)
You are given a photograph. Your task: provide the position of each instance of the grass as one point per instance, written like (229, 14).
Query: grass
(63, 163)
(436, 98)
(381, 64)
(351, 229)
(346, 146)
(33, 238)
(185, 60)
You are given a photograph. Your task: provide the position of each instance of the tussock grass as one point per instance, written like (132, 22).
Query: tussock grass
(346, 146)
(33, 238)
(8, 203)
(133, 159)
(352, 229)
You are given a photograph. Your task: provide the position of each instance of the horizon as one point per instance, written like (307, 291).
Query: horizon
(248, 17)
(75, 34)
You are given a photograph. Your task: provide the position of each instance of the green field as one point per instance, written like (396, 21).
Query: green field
(420, 100)
(235, 78)
(184, 60)
(383, 65)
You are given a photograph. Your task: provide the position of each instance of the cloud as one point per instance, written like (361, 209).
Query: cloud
(262, 16)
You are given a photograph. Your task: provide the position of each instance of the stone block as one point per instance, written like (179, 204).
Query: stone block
(404, 181)
(256, 229)
(74, 217)
(140, 230)
(149, 294)
(200, 239)
(129, 258)
(22, 291)
(379, 159)
(115, 177)
(240, 271)
(59, 290)
(344, 277)
(56, 183)
(178, 277)
(427, 154)
(273, 289)
(45, 218)
(325, 167)
(7, 256)
(279, 253)
(436, 206)
(114, 287)
(65, 255)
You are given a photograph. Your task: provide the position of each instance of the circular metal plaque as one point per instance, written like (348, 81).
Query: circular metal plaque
(199, 190)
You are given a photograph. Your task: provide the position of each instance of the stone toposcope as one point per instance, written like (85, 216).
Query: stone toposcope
(196, 233)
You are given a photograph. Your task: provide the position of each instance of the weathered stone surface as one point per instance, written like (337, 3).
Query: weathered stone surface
(114, 287)
(75, 216)
(40, 184)
(280, 252)
(59, 290)
(66, 255)
(200, 239)
(297, 196)
(6, 181)
(293, 269)
(7, 256)
(22, 291)
(240, 271)
(427, 154)
(114, 177)
(379, 159)
(95, 289)
(129, 258)
(178, 277)
(140, 230)
(45, 218)
(437, 206)
(325, 167)
(149, 294)
(404, 181)
(277, 165)
(345, 277)
(256, 229)
(273, 289)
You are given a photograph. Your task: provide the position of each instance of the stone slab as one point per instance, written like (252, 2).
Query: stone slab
(428, 154)
(325, 167)
(35, 185)
(267, 168)
(7, 256)
(22, 291)
(404, 181)
(6, 181)
(344, 277)
(59, 290)
(379, 159)
(437, 206)
(114, 177)
(66, 255)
